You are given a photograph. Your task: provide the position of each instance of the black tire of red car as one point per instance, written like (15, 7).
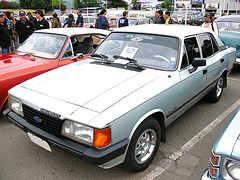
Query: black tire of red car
(215, 94)
(143, 146)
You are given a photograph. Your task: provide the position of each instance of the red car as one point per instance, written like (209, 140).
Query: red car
(43, 51)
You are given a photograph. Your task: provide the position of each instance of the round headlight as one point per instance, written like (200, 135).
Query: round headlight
(233, 169)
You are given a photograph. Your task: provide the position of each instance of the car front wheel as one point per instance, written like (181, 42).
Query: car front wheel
(216, 92)
(143, 146)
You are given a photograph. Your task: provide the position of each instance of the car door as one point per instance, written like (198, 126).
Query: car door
(193, 83)
(214, 58)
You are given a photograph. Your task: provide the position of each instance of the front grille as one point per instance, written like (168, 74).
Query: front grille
(48, 123)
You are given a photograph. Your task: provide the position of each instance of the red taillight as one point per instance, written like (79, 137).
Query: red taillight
(213, 171)
(214, 165)
(175, 18)
(190, 19)
(215, 160)
(197, 19)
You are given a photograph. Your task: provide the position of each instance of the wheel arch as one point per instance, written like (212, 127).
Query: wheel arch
(5, 100)
(157, 114)
(224, 75)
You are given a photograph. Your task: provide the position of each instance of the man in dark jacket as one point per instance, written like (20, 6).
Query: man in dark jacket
(160, 19)
(4, 36)
(103, 23)
(79, 22)
(23, 27)
(32, 19)
(42, 22)
(9, 23)
(123, 21)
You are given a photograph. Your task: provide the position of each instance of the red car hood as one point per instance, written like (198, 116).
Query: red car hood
(13, 64)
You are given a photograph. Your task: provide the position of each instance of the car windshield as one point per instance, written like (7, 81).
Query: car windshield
(43, 45)
(229, 26)
(153, 51)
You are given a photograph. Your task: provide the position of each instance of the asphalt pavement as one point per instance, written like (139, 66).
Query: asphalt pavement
(184, 156)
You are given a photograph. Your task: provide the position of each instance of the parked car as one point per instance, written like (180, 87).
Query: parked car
(229, 29)
(189, 19)
(225, 157)
(177, 18)
(115, 106)
(43, 51)
(138, 21)
(89, 21)
(199, 20)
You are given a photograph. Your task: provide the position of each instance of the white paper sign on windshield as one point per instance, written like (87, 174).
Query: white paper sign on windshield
(129, 52)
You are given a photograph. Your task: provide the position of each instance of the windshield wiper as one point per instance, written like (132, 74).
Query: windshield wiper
(25, 53)
(131, 61)
(102, 56)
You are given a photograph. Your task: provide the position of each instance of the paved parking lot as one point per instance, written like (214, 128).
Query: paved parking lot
(184, 156)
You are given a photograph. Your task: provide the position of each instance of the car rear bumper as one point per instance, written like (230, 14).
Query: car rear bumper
(206, 176)
(88, 154)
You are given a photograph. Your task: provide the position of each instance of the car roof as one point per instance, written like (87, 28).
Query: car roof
(180, 31)
(235, 18)
(73, 31)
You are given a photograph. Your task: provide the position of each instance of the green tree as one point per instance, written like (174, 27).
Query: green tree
(9, 5)
(166, 4)
(36, 4)
(55, 5)
(86, 3)
(116, 4)
(134, 2)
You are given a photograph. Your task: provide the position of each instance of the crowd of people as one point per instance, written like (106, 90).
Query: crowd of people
(13, 33)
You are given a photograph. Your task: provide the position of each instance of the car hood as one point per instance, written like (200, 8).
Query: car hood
(13, 62)
(91, 84)
(228, 142)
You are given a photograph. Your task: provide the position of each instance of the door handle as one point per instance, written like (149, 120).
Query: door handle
(222, 60)
(205, 71)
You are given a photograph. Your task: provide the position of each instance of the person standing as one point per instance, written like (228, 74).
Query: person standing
(4, 36)
(70, 22)
(79, 22)
(123, 21)
(103, 23)
(32, 19)
(42, 22)
(169, 20)
(156, 17)
(56, 21)
(160, 19)
(24, 28)
(208, 23)
(9, 24)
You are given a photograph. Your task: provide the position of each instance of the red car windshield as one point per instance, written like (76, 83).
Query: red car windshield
(43, 45)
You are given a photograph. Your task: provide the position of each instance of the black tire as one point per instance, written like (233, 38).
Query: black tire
(146, 138)
(215, 94)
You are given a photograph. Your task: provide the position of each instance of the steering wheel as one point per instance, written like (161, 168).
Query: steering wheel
(163, 58)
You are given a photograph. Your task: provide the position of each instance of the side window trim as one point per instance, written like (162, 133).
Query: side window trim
(69, 43)
(198, 44)
(212, 39)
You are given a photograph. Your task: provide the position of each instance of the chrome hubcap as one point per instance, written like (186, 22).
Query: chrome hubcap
(145, 146)
(219, 87)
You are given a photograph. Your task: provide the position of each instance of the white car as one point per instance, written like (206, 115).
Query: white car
(115, 106)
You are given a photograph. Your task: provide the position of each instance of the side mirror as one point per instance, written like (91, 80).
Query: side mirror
(196, 63)
(79, 55)
(199, 62)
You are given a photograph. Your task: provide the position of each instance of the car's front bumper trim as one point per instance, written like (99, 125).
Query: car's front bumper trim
(88, 154)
